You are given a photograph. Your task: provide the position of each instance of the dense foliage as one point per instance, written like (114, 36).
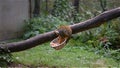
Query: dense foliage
(41, 25)
(5, 58)
(63, 9)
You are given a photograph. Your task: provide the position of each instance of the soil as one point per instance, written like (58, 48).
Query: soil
(17, 65)
(27, 66)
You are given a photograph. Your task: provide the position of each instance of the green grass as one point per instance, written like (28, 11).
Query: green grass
(69, 56)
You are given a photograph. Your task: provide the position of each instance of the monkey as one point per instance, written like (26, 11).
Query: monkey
(64, 32)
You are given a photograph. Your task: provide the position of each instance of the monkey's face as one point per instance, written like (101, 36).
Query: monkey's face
(62, 33)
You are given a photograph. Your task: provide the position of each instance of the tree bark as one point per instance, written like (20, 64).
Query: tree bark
(36, 11)
(30, 9)
(103, 4)
(76, 8)
(46, 7)
(42, 38)
(76, 5)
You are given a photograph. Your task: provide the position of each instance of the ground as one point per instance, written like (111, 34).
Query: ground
(69, 56)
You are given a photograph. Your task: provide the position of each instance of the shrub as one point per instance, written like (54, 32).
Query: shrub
(63, 9)
(5, 57)
(41, 24)
(102, 40)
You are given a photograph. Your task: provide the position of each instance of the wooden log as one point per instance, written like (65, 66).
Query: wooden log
(82, 26)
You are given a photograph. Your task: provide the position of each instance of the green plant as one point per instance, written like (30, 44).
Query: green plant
(63, 9)
(5, 57)
(41, 24)
(102, 40)
(69, 56)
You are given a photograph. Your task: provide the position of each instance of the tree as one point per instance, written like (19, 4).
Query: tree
(76, 10)
(46, 6)
(76, 5)
(30, 9)
(42, 38)
(63, 10)
(36, 10)
(103, 4)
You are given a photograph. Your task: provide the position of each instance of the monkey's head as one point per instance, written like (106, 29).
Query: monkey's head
(65, 31)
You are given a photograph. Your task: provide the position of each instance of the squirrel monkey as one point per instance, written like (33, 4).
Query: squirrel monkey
(64, 32)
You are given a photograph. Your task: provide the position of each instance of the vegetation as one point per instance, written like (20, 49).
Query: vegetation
(97, 47)
(72, 55)
(41, 25)
(5, 58)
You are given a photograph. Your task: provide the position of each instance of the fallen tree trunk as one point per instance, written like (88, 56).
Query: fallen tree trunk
(42, 38)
